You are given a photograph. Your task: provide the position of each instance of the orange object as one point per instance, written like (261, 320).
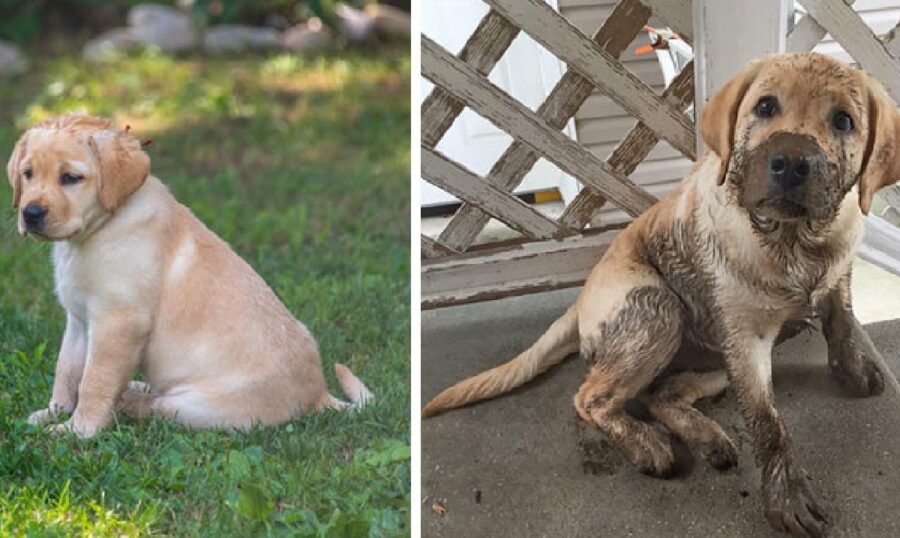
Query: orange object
(661, 42)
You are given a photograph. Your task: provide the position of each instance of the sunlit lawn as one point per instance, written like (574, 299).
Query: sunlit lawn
(302, 164)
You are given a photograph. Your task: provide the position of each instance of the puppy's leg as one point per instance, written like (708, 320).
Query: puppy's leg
(788, 501)
(185, 405)
(672, 403)
(629, 350)
(855, 370)
(69, 368)
(196, 408)
(113, 352)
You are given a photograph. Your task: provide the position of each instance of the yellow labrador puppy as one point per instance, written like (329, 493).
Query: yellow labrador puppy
(761, 232)
(147, 287)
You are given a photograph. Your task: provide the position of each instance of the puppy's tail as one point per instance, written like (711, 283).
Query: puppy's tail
(354, 389)
(552, 347)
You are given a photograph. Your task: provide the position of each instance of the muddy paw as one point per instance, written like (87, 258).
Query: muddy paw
(862, 377)
(721, 455)
(656, 458)
(791, 507)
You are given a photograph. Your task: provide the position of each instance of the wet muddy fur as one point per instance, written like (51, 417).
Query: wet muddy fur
(723, 264)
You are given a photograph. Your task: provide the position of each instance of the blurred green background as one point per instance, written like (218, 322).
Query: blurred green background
(301, 163)
(25, 22)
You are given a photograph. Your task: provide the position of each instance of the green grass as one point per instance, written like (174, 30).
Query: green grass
(302, 165)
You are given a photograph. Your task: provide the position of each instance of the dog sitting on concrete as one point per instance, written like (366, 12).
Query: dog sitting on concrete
(762, 231)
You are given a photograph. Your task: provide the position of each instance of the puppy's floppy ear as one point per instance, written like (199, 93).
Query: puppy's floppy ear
(881, 161)
(123, 166)
(14, 170)
(720, 114)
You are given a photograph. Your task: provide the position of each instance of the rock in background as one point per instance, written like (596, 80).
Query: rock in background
(110, 42)
(305, 37)
(356, 25)
(389, 21)
(172, 30)
(236, 37)
(162, 26)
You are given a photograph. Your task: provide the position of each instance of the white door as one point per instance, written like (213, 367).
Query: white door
(527, 72)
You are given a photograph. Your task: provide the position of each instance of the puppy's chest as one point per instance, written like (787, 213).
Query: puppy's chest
(789, 284)
(715, 279)
(70, 275)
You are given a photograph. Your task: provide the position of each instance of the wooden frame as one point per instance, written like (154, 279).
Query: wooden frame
(453, 275)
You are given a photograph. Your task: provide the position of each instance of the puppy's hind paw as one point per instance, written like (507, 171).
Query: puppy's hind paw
(657, 458)
(721, 455)
(42, 416)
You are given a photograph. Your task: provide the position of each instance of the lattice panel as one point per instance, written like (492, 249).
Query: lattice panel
(461, 81)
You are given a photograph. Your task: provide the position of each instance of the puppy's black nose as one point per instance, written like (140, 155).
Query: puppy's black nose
(789, 172)
(34, 214)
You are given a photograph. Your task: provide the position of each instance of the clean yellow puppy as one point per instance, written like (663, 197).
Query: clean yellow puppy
(147, 287)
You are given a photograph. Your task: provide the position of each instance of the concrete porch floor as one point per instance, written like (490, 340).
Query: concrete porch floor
(522, 465)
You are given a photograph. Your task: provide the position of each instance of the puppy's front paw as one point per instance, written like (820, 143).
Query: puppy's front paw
(79, 428)
(861, 376)
(790, 505)
(42, 416)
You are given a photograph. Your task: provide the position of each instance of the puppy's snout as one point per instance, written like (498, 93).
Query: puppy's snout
(34, 215)
(789, 172)
(792, 159)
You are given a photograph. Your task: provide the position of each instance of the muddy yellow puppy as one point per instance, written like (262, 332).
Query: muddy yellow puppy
(147, 287)
(761, 232)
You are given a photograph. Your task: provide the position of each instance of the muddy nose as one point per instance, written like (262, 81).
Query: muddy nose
(792, 161)
(789, 172)
(34, 214)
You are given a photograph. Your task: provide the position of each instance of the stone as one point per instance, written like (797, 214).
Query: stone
(389, 21)
(167, 28)
(236, 37)
(12, 61)
(110, 42)
(309, 36)
(356, 25)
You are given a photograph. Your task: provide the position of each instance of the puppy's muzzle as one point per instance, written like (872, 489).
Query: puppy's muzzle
(34, 216)
(786, 169)
(793, 159)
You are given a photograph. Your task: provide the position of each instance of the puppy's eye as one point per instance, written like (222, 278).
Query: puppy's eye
(842, 122)
(70, 179)
(766, 107)
(27, 173)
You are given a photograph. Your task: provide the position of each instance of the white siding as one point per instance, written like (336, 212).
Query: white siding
(600, 123)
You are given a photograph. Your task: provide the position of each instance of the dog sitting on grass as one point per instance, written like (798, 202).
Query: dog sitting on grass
(147, 287)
